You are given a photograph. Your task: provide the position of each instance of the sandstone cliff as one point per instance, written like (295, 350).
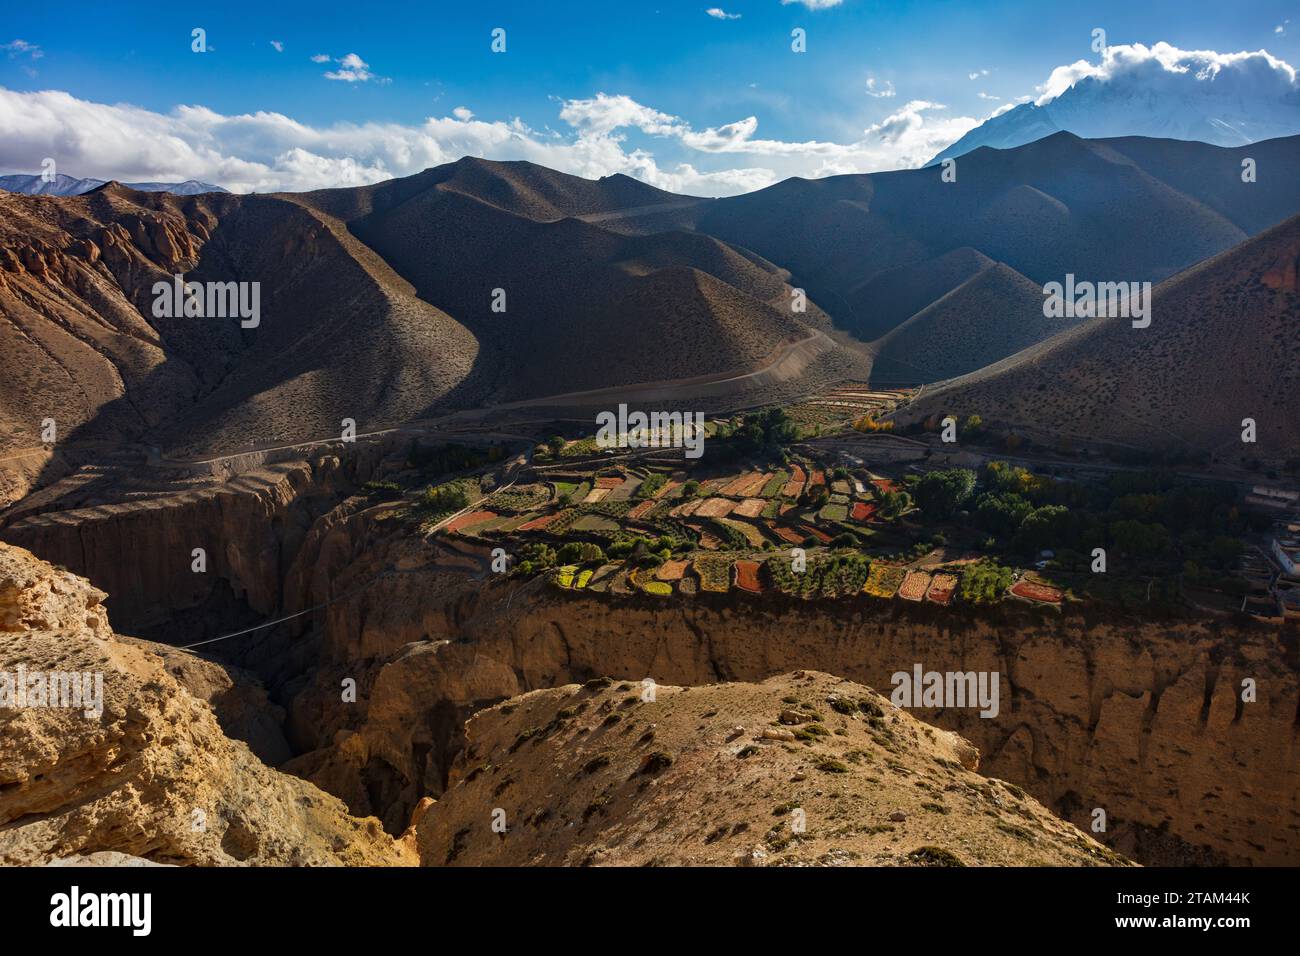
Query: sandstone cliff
(151, 775)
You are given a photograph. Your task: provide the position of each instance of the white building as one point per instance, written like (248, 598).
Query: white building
(1286, 551)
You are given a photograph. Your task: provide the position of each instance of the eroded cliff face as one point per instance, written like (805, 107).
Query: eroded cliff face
(136, 764)
(256, 529)
(1142, 720)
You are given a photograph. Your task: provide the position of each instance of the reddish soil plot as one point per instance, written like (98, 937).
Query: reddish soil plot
(474, 517)
(942, 589)
(539, 524)
(668, 488)
(1037, 592)
(787, 508)
(817, 533)
(715, 508)
(914, 586)
(610, 482)
(787, 534)
(750, 508)
(818, 478)
(797, 474)
(639, 511)
(747, 577)
(792, 489)
(754, 485)
(687, 509)
(672, 570)
(862, 511)
(734, 486)
(885, 485)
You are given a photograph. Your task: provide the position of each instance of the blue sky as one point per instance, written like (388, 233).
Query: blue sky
(424, 60)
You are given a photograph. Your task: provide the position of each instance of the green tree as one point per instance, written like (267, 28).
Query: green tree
(940, 493)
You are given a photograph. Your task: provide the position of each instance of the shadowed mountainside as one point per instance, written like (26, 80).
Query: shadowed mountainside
(1223, 346)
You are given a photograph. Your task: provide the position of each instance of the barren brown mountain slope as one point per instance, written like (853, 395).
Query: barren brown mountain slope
(890, 298)
(1223, 345)
(803, 769)
(584, 305)
(153, 775)
(865, 246)
(339, 334)
(992, 313)
(522, 188)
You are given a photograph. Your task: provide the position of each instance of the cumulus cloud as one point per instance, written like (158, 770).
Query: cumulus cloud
(279, 45)
(720, 14)
(268, 151)
(987, 96)
(320, 58)
(977, 74)
(1164, 68)
(352, 69)
(814, 4)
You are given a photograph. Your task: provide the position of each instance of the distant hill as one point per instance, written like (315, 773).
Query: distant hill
(994, 312)
(62, 185)
(377, 302)
(585, 307)
(376, 305)
(876, 249)
(1223, 346)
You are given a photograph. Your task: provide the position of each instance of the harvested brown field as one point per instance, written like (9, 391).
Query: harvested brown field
(914, 586)
(639, 510)
(673, 570)
(750, 508)
(747, 577)
(540, 524)
(715, 508)
(862, 511)
(1032, 591)
(789, 535)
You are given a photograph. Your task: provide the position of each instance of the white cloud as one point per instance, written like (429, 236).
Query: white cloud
(814, 4)
(883, 92)
(20, 48)
(719, 14)
(977, 74)
(353, 70)
(320, 58)
(279, 46)
(985, 96)
(1165, 68)
(267, 151)
(1280, 29)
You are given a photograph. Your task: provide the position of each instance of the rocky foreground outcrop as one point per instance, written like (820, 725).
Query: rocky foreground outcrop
(139, 766)
(802, 769)
(1143, 719)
